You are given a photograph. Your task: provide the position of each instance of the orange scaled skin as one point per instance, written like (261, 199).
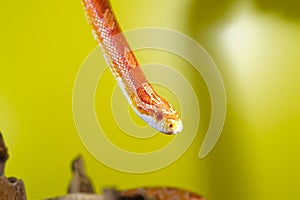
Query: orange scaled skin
(152, 108)
(161, 193)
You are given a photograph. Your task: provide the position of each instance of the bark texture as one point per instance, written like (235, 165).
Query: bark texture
(10, 188)
(78, 196)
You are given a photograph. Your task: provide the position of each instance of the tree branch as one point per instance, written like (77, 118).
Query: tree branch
(10, 188)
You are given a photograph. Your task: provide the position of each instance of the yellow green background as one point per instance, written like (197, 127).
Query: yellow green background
(255, 44)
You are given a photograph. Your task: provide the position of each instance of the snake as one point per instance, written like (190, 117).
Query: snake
(162, 193)
(140, 94)
(150, 193)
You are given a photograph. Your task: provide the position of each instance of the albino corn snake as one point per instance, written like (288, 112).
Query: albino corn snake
(151, 107)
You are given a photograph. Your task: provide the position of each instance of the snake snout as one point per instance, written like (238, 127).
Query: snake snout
(176, 126)
(173, 127)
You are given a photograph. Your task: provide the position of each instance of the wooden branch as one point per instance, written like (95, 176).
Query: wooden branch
(81, 188)
(79, 196)
(135, 194)
(10, 188)
(3, 155)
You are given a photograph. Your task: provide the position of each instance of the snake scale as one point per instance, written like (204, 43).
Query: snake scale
(147, 104)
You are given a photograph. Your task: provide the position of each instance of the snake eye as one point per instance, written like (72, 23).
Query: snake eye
(171, 125)
(159, 116)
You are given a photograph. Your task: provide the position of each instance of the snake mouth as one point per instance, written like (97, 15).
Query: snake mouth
(172, 127)
(176, 126)
(166, 126)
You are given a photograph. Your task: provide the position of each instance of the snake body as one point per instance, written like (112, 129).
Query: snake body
(146, 103)
(162, 193)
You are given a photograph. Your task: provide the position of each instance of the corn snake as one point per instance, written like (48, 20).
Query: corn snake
(163, 193)
(150, 193)
(147, 104)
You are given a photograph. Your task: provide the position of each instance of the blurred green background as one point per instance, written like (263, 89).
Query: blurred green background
(255, 44)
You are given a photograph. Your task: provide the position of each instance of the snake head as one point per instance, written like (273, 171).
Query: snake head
(169, 123)
(156, 111)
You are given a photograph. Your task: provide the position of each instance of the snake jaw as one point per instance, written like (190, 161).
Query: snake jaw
(171, 128)
(176, 126)
(160, 120)
(169, 124)
(157, 112)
